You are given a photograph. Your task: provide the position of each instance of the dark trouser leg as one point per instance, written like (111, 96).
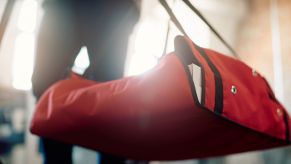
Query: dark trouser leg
(108, 159)
(56, 152)
(107, 54)
(57, 48)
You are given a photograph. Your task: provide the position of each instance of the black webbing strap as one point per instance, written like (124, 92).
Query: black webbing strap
(218, 109)
(5, 18)
(197, 12)
(172, 16)
(166, 39)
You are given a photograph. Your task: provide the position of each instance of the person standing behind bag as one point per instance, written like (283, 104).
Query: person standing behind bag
(103, 26)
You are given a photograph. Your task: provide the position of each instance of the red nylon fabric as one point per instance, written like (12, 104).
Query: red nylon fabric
(254, 105)
(154, 117)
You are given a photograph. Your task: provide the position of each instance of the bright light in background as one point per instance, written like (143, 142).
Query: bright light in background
(82, 61)
(193, 25)
(23, 58)
(151, 34)
(148, 47)
(27, 16)
(149, 40)
(23, 61)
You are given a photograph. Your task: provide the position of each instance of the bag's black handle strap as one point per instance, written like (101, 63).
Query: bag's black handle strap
(218, 108)
(172, 16)
(166, 40)
(197, 12)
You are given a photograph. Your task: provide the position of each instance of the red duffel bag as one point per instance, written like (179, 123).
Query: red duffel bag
(168, 113)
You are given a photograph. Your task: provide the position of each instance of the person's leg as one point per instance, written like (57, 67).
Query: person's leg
(56, 152)
(108, 67)
(57, 48)
(55, 54)
(107, 42)
(107, 49)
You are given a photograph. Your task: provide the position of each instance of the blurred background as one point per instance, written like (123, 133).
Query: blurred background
(259, 30)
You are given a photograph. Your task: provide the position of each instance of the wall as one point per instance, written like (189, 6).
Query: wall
(254, 42)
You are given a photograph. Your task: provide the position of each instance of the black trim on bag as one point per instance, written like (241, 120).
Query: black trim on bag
(203, 86)
(185, 54)
(218, 107)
